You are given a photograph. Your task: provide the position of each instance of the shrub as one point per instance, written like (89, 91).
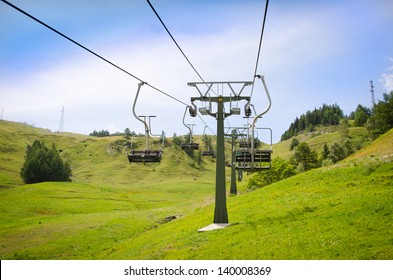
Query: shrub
(43, 164)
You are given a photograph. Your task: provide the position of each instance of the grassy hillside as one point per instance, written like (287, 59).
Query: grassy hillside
(93, 160)
(317, 139)
(382, 147)
(304, 217)
(117, 210)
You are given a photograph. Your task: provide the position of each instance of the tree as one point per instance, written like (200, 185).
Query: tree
(361, 115)
(294, 144)
(337, 152)
(127, 133)
(280, 170)
(325, 115)
(382, 117)
(102, 133)
(344, 130)
(305, 156)
(325, 151)
(43, 164)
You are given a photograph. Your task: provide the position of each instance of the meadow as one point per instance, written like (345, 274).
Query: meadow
(117, 210)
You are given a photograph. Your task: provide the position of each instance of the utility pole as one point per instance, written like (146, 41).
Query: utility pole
(372, 94)
(220, 211)
(61, 124)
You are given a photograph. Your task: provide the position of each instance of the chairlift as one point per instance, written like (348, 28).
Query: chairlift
(190, 146)
(146, 155)
(259, 159)
(248, 157)
(208, 152)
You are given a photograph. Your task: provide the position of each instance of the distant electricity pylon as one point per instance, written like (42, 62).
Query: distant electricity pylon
(2, 114)
(372, 94)
(61, 125)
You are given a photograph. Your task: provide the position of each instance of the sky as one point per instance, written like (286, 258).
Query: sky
(313, 53)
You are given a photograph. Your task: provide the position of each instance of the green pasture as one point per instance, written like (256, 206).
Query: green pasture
(117, 210)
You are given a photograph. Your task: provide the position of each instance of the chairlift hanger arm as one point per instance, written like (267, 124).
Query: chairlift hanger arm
(184, 123)
(268, 97)
(133, 108)
(256, 118)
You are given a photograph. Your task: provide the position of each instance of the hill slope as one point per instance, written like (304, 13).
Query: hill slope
(114, 210)
(93, 160)
(316, 139)
(304, 217)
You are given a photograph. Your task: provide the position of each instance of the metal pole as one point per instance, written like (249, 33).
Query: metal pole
(220, 212)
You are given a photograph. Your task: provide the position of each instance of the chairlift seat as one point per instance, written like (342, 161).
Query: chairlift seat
(190, 146)
(145, 156)
(259, 156)
(208, 153)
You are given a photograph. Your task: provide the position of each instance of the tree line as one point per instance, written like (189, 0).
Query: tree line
(105, 133)
(325, 115)
(377, 120)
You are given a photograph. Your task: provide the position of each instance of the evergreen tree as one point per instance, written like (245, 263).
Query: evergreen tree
(325, 115)
(361, 115)
(305, 156)
(294, 144)
(325, 151)
(43, 164)
(382, 118)
(337, 152)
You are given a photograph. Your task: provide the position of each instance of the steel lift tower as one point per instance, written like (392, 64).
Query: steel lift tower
(220, 212)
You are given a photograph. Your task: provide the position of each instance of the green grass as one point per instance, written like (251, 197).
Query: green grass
(117, 210)
(304, 217)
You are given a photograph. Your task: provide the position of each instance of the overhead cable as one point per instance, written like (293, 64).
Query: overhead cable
(259, 48)
(90, 51)
(177, 45)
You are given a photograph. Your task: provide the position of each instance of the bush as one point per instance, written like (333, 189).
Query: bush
(43, 164)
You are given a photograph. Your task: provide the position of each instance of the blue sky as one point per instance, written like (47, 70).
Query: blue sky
(313, 52)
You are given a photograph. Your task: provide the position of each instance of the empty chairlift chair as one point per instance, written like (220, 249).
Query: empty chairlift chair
(190, 146)
(249, 157)
(146, 155)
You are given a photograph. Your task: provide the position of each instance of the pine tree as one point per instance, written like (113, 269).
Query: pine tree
(325, 151)
(43, 164)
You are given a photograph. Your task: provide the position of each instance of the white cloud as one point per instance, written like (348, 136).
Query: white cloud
(387, 78)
